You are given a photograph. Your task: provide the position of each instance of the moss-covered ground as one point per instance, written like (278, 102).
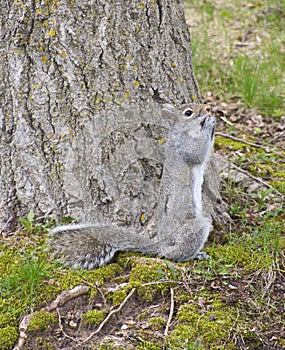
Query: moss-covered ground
(234, 300)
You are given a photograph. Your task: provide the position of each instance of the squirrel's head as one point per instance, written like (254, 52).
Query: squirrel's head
(195, 117)
(184, 112)
(191, 133)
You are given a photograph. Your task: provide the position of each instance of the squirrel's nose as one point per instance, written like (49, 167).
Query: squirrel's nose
(203, 121)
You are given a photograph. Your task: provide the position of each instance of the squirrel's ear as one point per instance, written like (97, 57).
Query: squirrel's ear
(169, 113)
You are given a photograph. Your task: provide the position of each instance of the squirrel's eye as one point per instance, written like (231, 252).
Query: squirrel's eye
(188, 112)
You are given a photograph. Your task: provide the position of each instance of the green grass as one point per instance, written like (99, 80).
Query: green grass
(26, 279)
(237, 50)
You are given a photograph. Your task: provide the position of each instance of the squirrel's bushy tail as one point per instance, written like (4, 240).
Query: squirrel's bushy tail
(94, 245)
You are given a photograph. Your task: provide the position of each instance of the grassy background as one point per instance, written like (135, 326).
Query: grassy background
(239, 51)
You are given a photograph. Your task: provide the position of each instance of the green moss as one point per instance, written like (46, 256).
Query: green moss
(282, 244)
(229, 144)
(146, 275)
(9, 257)
(41, 320)
(157, 323)
(117, 297)
(149, 339)
(105, 273)
(126, 259)
(7, 319)
(238, 256)
(188, 314)
(182, 338)
(93, 317)
(211, 327)
(8, 337)
(148, 346)
(279, 185)
(263, 164)
(143, 315)
(70, 278)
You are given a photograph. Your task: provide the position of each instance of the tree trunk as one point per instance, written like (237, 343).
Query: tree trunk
(80, 132)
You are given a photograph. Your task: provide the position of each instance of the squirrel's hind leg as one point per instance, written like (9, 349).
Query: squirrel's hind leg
(189, 241)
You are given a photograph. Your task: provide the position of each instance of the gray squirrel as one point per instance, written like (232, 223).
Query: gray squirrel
(180, 226)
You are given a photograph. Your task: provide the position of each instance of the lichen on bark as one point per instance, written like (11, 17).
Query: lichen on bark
(67, 64)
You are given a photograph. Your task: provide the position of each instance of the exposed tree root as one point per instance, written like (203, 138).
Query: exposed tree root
(63, 298)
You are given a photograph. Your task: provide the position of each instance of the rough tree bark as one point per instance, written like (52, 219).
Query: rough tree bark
(80, 81)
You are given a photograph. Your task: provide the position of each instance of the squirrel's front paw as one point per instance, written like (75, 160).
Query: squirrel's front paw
(201, 256)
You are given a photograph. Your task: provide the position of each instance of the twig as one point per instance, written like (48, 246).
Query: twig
(61, 328)
(160, 282)
(64, 297)
(257, 179)
(170, 312)
(109, 316)
(277, 137)
(249, 143)
(22, 329)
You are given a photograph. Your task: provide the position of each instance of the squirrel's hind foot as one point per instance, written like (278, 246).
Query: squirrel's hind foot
(201, 256)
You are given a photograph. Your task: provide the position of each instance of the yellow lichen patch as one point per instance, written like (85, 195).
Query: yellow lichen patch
(52, 32)
(161, 141)
(126, 95)
(18, 51)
